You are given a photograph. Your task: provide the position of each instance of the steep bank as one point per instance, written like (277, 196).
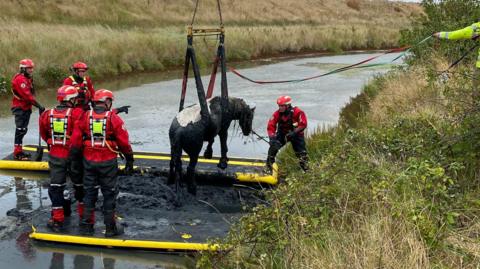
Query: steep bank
(395, 184)
(396, 189)
(117, 37)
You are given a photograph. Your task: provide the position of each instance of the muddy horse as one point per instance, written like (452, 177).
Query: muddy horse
(198, 123)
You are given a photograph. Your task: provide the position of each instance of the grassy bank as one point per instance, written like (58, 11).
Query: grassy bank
(116, 37)
(394, 185)
(399, 190)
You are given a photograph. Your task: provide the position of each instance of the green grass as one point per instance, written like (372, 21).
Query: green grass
(395, 185)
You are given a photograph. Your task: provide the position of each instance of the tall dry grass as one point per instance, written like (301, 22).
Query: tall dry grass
(121, 13)
(371, 241)
(113, 51)
(120, 36)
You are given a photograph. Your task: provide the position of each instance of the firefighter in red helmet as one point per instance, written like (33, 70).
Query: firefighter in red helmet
(22, 102)
(56, 128)
(287, 124)
(102, 135)
(82, 82)
(84, 85)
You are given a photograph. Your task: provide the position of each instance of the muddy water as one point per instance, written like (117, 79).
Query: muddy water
(154, 99)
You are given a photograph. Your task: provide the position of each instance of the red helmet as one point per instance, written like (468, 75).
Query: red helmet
(79, 65)
(102, 95)
(284, 100)
(66, 93)
(26, 63)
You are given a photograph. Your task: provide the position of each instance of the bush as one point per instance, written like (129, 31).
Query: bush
(354, 4)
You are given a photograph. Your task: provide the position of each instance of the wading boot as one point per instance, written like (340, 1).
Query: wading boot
(80, 209)
(55, 226)
(111, 226)
(114, 229)
(303, 161)
(67, 207)
(22, 156)
(87, 221)
(86, 228)
(55, 223)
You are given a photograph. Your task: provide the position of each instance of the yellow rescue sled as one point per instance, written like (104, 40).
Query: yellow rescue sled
(239, 169)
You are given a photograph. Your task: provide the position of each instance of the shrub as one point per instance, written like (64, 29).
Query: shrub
(354, 4)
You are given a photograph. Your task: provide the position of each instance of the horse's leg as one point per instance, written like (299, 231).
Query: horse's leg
(176, 163)
(171, 174)
(191, 182)
(208, 153)
(222, 164)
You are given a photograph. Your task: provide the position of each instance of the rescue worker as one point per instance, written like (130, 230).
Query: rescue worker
(469, 32)
(56, 128)
(287, 125)
(83, 83)
(102, 134)
(22, 102)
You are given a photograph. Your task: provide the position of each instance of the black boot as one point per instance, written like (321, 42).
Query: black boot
(267, 169)
(55, 226)
(87, 222)
(67, 207)
(303, 161)
(111, 226)
(86, 228)
(191, 182)
(114, 229)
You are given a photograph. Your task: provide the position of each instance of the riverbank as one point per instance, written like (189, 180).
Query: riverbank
(395, 185)
(54, 39)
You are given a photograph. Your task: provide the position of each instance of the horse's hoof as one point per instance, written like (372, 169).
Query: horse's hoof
(222, 165)
(192, 189)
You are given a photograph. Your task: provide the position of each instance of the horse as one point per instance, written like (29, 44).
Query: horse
(196, 124)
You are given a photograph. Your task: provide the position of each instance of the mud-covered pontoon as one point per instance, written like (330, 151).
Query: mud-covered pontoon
(239, 169)
(149, 208)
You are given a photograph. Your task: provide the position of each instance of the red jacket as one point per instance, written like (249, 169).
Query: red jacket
(85, 90)
(293, 119)
(23, 95)
(116, 136)
(56, 149)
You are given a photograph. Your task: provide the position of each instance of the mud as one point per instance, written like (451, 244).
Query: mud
(151, 209)
(149, 191)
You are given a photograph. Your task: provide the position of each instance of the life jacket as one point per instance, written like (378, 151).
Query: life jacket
(59, 123)
(82, 89)
(15, 95)
(98, 126)
(285, 121)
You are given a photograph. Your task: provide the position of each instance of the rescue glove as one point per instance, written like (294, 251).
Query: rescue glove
(290, 135)
(274, 143)
(41, 108)
(122, 109)
(129, 164)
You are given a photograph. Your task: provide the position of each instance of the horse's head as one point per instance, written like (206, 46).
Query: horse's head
(246, 119)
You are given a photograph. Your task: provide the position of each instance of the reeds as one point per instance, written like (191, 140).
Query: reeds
(116, 37)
